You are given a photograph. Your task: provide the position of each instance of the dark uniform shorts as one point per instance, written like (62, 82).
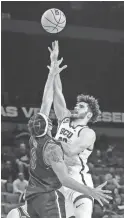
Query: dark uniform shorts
(47, 205)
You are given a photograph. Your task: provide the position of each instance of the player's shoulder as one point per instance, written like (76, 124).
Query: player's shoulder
(13, 213)
(88, 132)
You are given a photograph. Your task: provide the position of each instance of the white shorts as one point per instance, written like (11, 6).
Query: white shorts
(71, 195)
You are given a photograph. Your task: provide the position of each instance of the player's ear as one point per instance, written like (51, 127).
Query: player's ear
(89, 115)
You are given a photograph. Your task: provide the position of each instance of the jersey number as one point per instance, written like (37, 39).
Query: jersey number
(33, 159)
(63, 139)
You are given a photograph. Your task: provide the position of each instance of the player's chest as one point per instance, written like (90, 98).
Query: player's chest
(65, 131)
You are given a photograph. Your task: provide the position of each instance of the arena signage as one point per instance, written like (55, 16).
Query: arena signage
(114, 117)
(22, 114)
(19, 113)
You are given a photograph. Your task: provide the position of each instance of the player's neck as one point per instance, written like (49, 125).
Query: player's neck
(82, 122)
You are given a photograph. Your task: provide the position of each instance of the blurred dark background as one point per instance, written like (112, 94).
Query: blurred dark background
(94, 66)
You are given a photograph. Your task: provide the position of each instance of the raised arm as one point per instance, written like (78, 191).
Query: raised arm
(47, 99)
(59, 103)
(53, 156)
(60, 107)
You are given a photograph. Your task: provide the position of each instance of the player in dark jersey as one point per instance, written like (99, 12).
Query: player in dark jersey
(48, 171)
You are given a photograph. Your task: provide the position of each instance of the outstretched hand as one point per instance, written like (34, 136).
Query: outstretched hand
(54, 52)
(55, 68)
(101, 195)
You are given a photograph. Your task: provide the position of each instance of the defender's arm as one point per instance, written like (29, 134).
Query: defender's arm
(54, 157)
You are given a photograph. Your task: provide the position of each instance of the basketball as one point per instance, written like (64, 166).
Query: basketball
(53, 20)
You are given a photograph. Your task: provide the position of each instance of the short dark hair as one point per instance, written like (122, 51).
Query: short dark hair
(93, 105)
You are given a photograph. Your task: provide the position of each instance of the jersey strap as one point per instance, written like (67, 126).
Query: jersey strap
(23, 213)
(82, 129)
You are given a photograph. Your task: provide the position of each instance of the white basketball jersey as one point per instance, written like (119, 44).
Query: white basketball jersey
(69, 134)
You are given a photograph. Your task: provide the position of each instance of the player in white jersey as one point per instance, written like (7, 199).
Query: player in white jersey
(20, 212)
(78, 204)
(73, 130)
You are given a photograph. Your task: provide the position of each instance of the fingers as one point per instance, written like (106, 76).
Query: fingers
(48, 67)
(108, 197)
(105, 200)
(52, 45)
(62, 68)
(50, 50)
(60, 61)
(57, 44)
(105, 196)
(102, 185)
(107, 191)
(100, 202)
(59, 69)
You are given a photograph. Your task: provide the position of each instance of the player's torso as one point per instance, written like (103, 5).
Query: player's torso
(42, 178)
(70, 135)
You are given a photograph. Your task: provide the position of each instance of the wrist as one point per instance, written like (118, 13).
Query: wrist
(90, 191)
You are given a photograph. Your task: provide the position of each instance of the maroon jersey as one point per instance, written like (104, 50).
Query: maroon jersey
(42, 177)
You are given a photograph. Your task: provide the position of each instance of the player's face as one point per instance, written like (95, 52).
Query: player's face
(80, 110)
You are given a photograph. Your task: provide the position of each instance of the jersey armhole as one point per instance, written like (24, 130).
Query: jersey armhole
(61, 121)
(79, 135)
